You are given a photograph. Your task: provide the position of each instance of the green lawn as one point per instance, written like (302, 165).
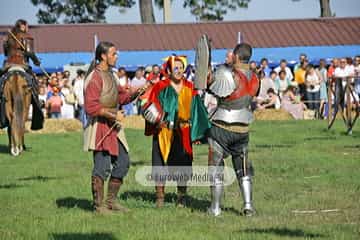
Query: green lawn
(299, 165)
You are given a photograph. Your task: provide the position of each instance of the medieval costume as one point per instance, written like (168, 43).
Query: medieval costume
(18, 48)
(229, 134)
(103, 97)
(175, 118)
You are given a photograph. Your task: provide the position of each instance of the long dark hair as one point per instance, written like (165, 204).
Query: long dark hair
(18, 23)
(101, 48)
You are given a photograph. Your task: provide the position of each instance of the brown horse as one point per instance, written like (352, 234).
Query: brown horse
(18, 99)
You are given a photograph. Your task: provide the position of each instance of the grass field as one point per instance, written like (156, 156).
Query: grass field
(45, 193)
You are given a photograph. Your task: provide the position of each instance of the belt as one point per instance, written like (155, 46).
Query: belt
(179, 124)
(232, 127)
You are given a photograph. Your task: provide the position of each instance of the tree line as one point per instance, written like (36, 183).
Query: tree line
(93, 11)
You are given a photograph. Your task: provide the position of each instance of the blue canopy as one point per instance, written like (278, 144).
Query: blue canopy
(53, 62)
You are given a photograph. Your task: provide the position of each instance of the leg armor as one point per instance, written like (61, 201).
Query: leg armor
(244, 171)
(246, 191)
(216, 168)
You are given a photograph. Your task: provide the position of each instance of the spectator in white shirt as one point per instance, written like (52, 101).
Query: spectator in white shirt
(265, 84)
(344, 71)
(272, 100)
(79, 93)
(283, 66)
(312, 83)
(138, 81)
(122, 77)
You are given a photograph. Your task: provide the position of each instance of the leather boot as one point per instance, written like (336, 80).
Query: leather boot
(113, 189)
(160, 196)
(97, 187)
(181, 193)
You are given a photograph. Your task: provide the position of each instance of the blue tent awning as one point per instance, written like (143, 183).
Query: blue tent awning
(132, 59)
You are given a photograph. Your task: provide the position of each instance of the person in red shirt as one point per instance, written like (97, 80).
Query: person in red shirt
(54, 104)
(334, 64)
(104, 135)
(154, 75)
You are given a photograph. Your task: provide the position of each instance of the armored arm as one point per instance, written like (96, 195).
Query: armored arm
(153, 114)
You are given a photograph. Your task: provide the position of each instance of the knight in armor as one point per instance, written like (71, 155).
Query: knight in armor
(175, 118)
(19, 47)
(104, 135)
(234, 86)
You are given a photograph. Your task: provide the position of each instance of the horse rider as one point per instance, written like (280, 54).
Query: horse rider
(19, 47)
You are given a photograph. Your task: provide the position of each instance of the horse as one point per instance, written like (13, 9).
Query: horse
(17, 93)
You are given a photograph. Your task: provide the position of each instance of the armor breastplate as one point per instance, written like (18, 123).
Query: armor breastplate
(109, 97)
(236, 107)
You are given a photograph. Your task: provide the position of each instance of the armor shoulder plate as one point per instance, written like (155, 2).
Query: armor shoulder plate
(223, 84)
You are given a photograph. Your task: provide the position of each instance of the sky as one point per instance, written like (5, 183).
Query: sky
(11, 10)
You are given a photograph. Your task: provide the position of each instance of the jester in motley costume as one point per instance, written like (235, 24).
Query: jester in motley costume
(234, 88)
(175, 117)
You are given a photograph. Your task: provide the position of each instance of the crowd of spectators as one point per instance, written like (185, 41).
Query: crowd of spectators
(304, 86)
(62, 97)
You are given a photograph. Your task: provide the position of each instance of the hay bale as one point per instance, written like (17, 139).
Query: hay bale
(138, 122)
(134, 122)
(272, 114)
(57, 126)
(73, 125)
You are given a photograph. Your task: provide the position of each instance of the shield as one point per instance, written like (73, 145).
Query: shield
(202, 62)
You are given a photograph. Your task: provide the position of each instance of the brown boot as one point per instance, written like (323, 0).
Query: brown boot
(181, 193)
(160, 196)
(97, 187)
(113, 189)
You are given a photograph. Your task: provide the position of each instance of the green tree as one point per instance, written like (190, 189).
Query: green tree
(210, 10)
(206, 10)
(77, 11)
(93, 11)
